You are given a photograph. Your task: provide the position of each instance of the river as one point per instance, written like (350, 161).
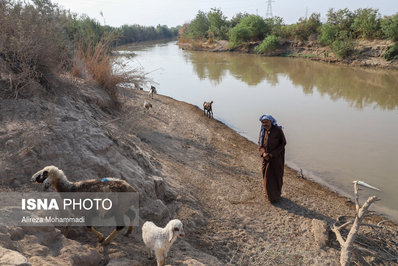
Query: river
(340, 122)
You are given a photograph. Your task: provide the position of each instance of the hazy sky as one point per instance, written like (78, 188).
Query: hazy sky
(177, 12)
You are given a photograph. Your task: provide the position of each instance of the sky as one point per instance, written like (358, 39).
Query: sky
(177, 12)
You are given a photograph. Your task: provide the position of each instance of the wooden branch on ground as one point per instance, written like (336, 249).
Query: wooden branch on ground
(347, 245)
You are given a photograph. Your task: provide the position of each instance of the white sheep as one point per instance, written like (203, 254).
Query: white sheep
(207, 108)
(159, 239)
(55, 177)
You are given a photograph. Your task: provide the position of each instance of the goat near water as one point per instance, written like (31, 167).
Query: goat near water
(207, 109)
(152, 91)
(55, 177)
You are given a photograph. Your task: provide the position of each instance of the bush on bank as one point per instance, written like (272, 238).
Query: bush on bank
(268, 45)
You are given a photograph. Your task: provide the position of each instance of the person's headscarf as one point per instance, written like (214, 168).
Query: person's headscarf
(262, 132)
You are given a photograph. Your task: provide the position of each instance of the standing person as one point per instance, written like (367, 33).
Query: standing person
(272, 144)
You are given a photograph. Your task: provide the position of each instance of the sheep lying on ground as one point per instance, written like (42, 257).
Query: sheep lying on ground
(207, 109)
(55, 177)
(152, 91)
(147, 105)
(160, 239)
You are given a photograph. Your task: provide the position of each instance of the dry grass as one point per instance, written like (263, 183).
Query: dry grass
(184, 40)
(98, 64)
(193, 44)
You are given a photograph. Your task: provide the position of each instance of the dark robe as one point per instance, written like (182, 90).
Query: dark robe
(273, 168)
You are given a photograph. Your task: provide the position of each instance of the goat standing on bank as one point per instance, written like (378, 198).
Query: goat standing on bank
(55, 177)
(207, 109)
(160, 239)
(147, 105)
(152, 91)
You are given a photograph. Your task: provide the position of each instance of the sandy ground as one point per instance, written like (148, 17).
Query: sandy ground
(212, 173)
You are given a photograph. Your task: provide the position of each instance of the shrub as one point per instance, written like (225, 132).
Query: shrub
(238, 35)
(274, 25)
(287, 31)
(327, 34)
(250, 28)
(256, 25)
(392, 53)
(218, 24)
(237, 18)
(344, 45)
(32, 43)
(366, 23)
(309, 26)
(269, 44)
(342, 19)
(199, 27)
(97, 63)
(389, 27)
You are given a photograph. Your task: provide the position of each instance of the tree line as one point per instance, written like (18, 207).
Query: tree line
(339, 32)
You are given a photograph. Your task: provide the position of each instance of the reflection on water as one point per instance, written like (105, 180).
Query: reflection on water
(341, 123)
(360, 87)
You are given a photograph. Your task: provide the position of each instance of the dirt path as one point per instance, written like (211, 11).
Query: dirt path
(222, 202)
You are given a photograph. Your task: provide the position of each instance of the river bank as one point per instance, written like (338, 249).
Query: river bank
(367, 53)
(185, 166)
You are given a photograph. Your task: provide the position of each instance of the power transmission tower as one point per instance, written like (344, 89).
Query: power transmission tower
(269, 9)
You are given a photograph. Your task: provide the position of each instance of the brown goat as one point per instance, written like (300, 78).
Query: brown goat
(55, 177)
(207, 109)
(147, 105)
(152, 91)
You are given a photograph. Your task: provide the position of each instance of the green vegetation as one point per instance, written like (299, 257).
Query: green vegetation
(389, 27)
(306, 27)
(269, 44)
(32, 43)
(344, 45)
(339, 32)
(342, 19)
(250, 28)
(137, 33)
(198, 27)
(218, 24)
(238, 35)
(38, 39)
(366, 23)
(392, 53)
(327, 34)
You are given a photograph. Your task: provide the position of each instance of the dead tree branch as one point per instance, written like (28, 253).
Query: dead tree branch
(347, 245)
